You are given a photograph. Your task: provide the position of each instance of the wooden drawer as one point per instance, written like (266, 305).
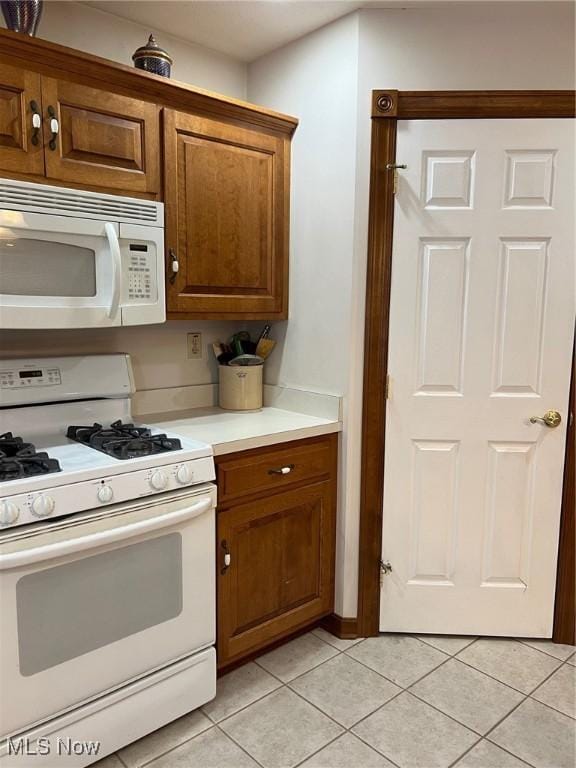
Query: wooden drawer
(272, 469)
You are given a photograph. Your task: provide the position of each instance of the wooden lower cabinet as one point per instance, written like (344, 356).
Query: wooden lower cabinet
(275, 559)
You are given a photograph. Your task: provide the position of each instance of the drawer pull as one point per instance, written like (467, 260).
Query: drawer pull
(227, 556)
(282, 470)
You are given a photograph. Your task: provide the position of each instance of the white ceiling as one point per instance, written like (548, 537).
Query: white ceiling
(247, 29)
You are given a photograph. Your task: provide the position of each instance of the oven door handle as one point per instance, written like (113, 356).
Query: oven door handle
(101, 538)
(114, 245)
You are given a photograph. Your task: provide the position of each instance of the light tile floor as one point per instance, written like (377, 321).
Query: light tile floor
(394, 700)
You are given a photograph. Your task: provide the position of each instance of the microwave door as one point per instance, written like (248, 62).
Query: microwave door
(58, 272)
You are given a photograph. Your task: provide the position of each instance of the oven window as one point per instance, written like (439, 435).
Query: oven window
(30, 267)
(72, 609)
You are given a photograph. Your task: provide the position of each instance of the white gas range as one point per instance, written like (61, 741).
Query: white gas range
(107, 562)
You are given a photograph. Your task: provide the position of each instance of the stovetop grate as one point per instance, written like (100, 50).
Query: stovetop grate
(123, 441)
(19, 459)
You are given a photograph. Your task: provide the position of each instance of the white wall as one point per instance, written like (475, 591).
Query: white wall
(158, 352)
(315, 79)
(95, 31)
(499, 46)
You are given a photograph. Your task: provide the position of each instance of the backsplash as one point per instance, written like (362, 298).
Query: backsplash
(158, 352)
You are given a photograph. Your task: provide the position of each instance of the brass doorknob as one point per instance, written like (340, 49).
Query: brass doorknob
(550, 419)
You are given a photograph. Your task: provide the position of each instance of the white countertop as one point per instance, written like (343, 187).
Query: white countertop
(229, 431)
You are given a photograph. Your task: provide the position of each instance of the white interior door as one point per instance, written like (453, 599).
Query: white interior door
(481, 334)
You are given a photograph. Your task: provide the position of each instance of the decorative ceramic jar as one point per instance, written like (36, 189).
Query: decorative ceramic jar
(152, 58)
(22, 15)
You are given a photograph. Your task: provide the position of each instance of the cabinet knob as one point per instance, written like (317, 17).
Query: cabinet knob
(175, 266)
(227, 557)
(36, 122)
(54, 128)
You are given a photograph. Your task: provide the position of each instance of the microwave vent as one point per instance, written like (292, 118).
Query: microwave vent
(40, 198)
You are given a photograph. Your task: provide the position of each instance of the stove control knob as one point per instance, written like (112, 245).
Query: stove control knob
(184, 474)
(9, 513)
(105, 494)
(159, 480)
(42, 506)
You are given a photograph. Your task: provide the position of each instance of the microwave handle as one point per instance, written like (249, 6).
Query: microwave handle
(114, 245)
(100, 538)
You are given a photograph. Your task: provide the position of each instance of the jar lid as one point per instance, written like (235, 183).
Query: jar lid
(151, 49)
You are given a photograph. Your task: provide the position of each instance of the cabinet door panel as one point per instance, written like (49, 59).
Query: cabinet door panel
(18, 88)
(258, 541)
(105, 140)
(226, 200)
(281, 571)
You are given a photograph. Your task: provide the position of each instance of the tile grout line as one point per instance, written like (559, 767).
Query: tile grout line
(320, 663)
(402, 689)
(233, 740)
(502, 719)
(455, 656)
(312, 754)
(345, 729)
(378, 751)
(405, 688)
(245, 706)
(468, 664)
(423, 640)
(170, 749)
(520, 703)
(527, 644)
(492, 744)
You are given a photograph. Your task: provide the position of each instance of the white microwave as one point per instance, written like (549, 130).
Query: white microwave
(75, 259)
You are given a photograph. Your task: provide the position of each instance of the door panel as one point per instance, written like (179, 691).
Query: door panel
(281, 567)
(105, 140)
(226, 199)
(18, 88)
(481, 335)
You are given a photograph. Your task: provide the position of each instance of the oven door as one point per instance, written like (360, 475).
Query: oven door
(95, 601)
(58, 271)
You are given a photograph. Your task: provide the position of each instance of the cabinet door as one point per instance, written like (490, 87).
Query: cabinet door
(280, 575)
(21, 147)
(226, 219)
(105, 140)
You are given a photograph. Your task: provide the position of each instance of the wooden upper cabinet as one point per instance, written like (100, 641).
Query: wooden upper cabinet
(226, 194)
(21, 147)
(105, 140)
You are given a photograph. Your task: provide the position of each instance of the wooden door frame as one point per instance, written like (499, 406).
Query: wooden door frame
(388, 107)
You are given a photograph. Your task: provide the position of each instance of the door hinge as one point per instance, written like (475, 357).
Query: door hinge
(395, 167)
(385, 569)
(388, 392)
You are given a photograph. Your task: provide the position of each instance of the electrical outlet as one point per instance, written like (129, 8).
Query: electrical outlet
(194, 343)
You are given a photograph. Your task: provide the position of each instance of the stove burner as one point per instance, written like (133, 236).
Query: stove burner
(19, 459)
(123, 441)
